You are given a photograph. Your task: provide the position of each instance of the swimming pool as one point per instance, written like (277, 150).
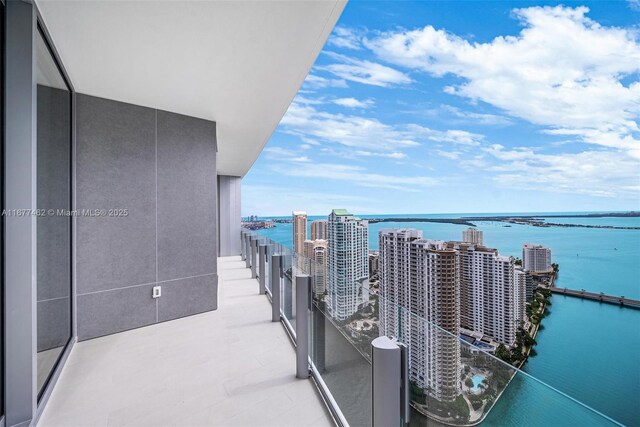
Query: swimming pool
(477, 380)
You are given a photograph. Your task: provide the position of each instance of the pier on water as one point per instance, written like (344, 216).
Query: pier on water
(609, 299)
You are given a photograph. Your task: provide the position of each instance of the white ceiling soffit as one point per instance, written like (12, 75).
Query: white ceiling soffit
(239, 63)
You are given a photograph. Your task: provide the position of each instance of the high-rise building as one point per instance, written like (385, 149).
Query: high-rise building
(536, 258)
(299, 231)
(523, 285)
(473, 235)
(347, 262)
(315, 251)
(419, 303)
(319, 230)
(524, 278)
(492, 302)
(374, 262)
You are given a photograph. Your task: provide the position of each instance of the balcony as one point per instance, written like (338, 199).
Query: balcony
(127, 129)
(231, 367)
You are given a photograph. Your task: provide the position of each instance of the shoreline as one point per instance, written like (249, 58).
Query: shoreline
(533, 221)
(534, 333)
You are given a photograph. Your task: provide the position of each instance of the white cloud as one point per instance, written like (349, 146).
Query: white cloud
(363, 71)
(353, 103)
(634, 5)
(279, 200)
(301, 99)
(563, 71)
(473, 117)
(363, 133)
(595, 173)
(395, 155)
(451, 155)
(357, 175)
(317, 82)
(452, 136)
(352, 131)
(281, 153)
(346, 38)
(358, 154)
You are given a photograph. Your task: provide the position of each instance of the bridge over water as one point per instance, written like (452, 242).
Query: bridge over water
(601, 297)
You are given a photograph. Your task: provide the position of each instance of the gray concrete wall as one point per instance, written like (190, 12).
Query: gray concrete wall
(161, 167)
(229, 214)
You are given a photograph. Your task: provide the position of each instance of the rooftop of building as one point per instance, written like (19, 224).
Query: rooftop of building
(340, 212)
(534, 246)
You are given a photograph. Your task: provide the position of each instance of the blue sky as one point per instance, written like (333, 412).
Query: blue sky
(462, 106)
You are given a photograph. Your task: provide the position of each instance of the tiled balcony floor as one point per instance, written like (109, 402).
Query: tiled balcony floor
(229, 367)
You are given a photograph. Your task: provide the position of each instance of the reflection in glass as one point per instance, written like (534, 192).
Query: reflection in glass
(53, 197)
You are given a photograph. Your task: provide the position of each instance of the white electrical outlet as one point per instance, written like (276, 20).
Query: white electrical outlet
(157, 292)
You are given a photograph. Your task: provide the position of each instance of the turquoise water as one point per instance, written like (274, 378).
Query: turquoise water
(588, 350)
(477, 380)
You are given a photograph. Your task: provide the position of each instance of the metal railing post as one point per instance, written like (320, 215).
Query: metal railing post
(254, 257)
(386, 373)
(287, 290)
(247, 250)
(276, 275)
(303, 290)
(242, 244)
(262, 273)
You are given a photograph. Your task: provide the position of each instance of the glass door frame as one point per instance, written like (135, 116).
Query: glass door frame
(23, 402)
(2, 180)
(52, 376)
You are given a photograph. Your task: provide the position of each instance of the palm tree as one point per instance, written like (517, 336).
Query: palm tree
(468, 383)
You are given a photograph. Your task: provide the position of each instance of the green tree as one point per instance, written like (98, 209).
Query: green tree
(503, 353)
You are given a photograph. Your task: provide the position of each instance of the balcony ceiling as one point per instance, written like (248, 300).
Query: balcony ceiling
(239, 63)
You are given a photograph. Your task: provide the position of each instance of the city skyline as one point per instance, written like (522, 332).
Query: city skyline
(399, 114)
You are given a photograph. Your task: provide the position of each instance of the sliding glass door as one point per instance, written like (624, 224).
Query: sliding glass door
(53, 207)
(2, 28)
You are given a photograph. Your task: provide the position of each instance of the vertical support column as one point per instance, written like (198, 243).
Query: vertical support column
(20, 181)
(276, 275)
(386, 373)
(262, 271)
(229, 215)
(303, 290)
(247, 250)
(254, 257)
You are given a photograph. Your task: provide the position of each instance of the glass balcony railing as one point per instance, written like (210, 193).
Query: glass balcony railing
(452, 381)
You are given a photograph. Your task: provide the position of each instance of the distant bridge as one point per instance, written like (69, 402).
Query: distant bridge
(609, 299)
